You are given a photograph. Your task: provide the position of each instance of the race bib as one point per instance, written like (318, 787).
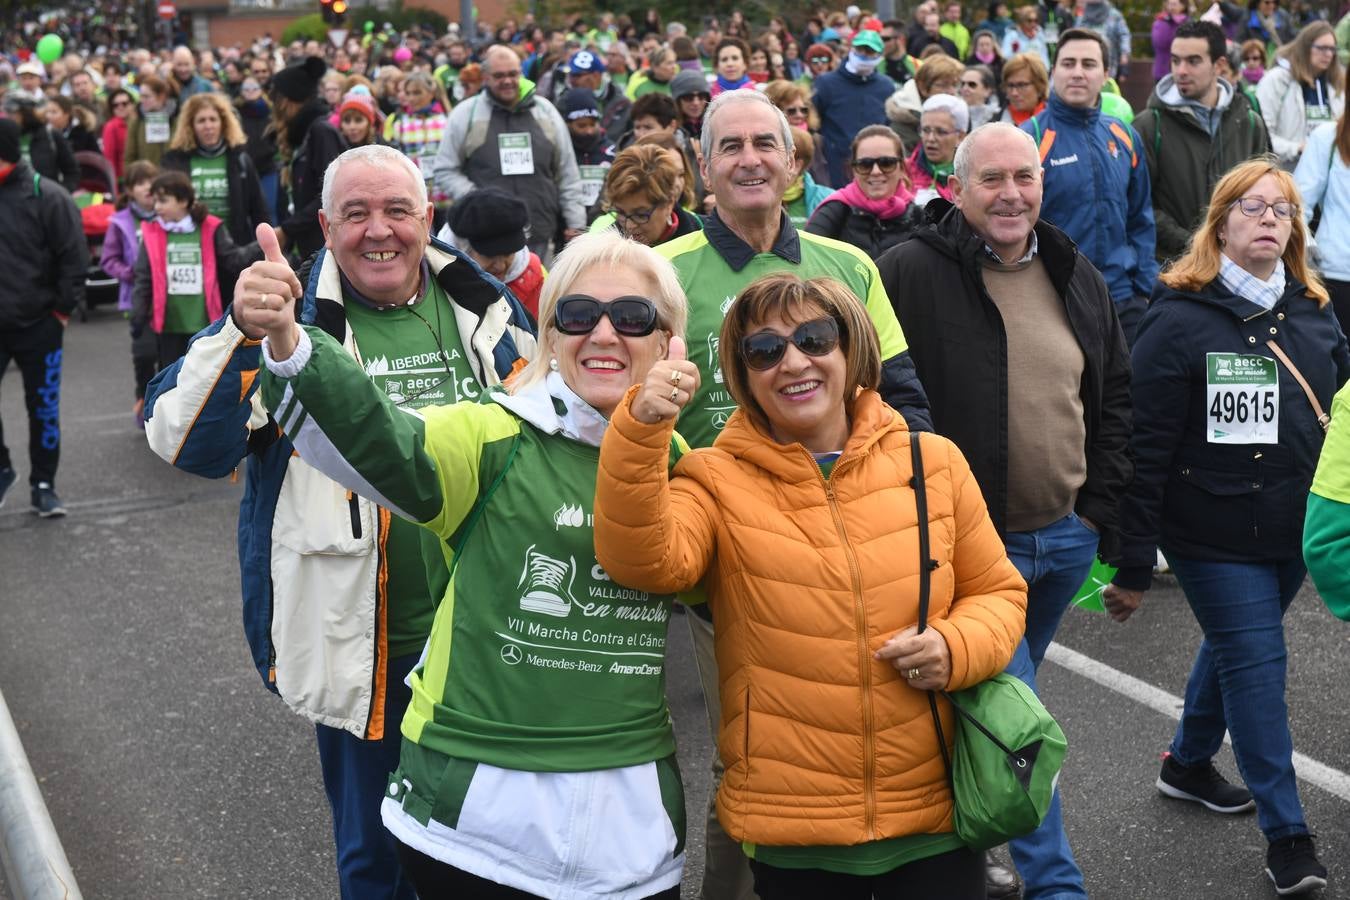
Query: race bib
(156, 128)
(592, 180)
(1242, 399)
(185, 271)
(517, 155)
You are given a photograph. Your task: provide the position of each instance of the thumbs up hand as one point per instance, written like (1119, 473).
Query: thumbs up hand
(668, 387)
(265, 295)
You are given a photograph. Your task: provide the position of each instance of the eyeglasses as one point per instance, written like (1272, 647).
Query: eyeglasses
(1017, 85)
(697, 95)
(1324, 48)
(1255, 208)
(972, 84)
(118, 104)
(887, 164)
(796, 110)
(763, 350)
(630, 316)
(637, 217)
(504, 76)
(930, 131)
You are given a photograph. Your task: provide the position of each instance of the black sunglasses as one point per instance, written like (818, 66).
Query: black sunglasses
(630, 316)
(764, 349)
(887, 164)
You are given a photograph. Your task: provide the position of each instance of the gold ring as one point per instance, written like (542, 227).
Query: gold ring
(675, 377)
(674, 394)
(913, 674)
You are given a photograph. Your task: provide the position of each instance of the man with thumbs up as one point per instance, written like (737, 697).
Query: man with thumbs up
(338, 599)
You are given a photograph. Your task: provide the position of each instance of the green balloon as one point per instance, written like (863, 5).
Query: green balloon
(370, 26)
(49, 48)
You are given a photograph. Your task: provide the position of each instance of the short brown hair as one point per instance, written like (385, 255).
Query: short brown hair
(793, 299)
(1030, 65)
(1086, 34)
(669, 142)
(642, 170)
(935, 69)
(782, 93)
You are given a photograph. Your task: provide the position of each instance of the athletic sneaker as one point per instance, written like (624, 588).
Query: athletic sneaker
(45, 502)
(7, 478)
(1292, 864)
(1204, 785)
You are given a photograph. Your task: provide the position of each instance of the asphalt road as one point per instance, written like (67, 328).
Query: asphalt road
(171, 773)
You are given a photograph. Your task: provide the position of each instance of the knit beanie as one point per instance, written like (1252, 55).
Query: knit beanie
(490, 220)
(300, 81)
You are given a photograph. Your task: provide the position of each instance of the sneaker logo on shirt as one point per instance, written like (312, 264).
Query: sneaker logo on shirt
(547, 583)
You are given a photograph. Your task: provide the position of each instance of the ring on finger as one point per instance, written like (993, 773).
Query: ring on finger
(674, 394)
(262, 302)
(675, 377)
(913, 674)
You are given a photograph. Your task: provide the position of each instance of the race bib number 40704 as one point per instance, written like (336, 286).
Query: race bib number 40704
(1242, 399)
(516, 153)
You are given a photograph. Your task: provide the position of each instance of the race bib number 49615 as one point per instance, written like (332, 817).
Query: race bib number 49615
(1242, 399)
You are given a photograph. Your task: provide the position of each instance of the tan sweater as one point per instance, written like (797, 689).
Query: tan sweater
(1047, 462)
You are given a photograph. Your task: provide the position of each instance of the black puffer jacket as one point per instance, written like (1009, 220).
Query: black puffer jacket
(43, 252)
(52, 157)
(960, 348)
(316, 144)
(248, 209)
(868, 232)
(1239, 502)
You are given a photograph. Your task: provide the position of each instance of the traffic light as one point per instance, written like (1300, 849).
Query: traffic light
(327, 10)
(339, 11)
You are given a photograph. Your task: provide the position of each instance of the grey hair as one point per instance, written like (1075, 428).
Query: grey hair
(728, 98)
(961, 162)
(379, 156)
(596, 251)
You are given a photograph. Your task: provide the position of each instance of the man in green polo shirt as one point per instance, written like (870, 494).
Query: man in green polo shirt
(747, 164)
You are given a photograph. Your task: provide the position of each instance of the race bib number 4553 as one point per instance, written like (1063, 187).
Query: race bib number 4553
(1242, 399)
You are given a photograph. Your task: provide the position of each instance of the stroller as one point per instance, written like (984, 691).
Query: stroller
(96, 198)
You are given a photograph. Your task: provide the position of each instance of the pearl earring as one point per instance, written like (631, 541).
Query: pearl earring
(553, 364)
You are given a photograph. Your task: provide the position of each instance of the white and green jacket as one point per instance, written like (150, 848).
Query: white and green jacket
(538, 748)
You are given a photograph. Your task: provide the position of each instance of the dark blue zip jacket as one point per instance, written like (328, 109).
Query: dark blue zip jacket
(1218, 501)
(1097, 191)
(847, 104)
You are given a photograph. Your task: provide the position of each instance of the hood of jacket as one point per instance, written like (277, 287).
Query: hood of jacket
(904, 104)
(1167, 94)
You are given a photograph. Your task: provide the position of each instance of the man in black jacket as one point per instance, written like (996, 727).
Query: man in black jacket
(44, 257)
(1015, 338)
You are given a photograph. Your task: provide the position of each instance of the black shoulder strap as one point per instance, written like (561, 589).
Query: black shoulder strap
(925, 579)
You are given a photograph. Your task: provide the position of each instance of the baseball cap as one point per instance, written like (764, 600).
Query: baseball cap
(869, 39)
(584, 62)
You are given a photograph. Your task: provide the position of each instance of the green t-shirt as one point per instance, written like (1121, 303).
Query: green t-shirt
(185, 304)
(712, 286)
(872, 858)
(401, 350)
(212, 184)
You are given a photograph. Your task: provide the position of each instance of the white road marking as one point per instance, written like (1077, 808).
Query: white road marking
(1333, 781)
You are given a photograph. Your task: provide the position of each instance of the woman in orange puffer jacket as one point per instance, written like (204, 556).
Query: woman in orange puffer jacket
(801, 524)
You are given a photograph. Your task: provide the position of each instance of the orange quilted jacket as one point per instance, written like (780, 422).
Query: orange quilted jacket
(823, 745)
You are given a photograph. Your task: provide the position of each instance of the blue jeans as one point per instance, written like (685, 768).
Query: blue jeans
(1055, 561)
(356, 779)
(1237, 683)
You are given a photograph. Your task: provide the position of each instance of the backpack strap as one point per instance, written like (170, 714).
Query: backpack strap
(1157, 131)
(926, 566)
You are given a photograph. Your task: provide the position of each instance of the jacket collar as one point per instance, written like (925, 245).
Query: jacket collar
(554, 408)
(792, 463)
(950, 233)
(1218, 295)
(1064, 112)
(738, 253)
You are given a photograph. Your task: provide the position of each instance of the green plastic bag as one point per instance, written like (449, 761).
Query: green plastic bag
(1089, 596)
(1005, 761)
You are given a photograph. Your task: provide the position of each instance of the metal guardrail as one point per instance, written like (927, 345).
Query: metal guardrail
(31, 854)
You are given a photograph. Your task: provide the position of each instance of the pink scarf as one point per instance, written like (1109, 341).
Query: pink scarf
(887, 208)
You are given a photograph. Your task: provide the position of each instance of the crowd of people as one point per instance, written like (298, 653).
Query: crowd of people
(654, 314)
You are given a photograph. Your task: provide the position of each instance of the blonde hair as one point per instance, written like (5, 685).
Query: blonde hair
(602, 250)
(785, 296)
(1298, 53)
(643, 170)
(1036, 73)
(782, 93)
(185, 136)
(1200, 264)
(935, 69)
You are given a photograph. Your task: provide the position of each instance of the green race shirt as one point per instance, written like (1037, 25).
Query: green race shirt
(414, 355)
(185, 305)
(210, 181)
